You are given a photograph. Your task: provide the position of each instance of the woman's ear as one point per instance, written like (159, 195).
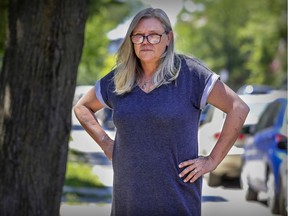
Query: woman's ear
(170, 37)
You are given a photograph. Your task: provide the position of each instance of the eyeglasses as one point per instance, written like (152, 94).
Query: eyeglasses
(151, 38)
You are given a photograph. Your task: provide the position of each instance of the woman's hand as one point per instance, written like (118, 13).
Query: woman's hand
(196, 167)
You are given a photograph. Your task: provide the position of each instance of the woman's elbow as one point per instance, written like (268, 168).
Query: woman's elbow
(77, 110)
(243, 109)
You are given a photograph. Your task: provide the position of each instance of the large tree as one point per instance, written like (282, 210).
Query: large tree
(37, 82)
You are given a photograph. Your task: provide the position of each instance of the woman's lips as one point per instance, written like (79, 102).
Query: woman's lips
(146, 50)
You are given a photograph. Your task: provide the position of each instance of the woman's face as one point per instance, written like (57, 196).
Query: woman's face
(147, 52)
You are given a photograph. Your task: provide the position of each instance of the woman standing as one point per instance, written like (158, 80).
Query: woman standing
(156, 96)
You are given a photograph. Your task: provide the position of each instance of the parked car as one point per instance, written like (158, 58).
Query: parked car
(263, 157)
(283, 205)
(210, 130)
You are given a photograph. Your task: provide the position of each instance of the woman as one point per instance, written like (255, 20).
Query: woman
(156, 96)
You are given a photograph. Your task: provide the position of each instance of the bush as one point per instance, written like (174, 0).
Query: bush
(79, 172)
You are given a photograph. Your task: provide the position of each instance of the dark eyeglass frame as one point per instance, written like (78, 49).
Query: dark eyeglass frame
(147, 37)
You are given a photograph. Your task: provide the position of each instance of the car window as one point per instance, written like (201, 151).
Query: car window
(256, 110)
(269, 116)
(209, 114)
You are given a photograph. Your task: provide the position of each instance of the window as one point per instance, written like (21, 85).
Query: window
(269, 116)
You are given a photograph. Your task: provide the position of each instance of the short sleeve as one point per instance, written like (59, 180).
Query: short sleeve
(208, 88)
(104, 90)
(99, 94)
(200, 80)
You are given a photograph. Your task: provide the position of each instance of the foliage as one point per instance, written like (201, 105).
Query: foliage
(240, 36)
(79, 172)
(248, 38)
(105, 15)
(265, 44)
(80, 175)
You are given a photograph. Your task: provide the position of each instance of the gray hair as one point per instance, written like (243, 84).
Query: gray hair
(128, 68)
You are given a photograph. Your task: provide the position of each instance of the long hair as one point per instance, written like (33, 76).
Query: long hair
(128, 67)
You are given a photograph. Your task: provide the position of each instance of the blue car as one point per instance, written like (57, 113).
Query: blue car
(263, 156)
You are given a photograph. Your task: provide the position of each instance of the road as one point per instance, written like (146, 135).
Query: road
(218, 201)
(230, 200)
(223, 200)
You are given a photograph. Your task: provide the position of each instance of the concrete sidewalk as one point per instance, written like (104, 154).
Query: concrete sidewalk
(98, 209)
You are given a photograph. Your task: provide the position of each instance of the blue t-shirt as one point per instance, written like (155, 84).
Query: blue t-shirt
(156, 131)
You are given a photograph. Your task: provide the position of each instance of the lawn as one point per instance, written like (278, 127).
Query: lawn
(79, 174)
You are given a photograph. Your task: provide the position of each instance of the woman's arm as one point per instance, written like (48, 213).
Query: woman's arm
(84, 111)
(229, 102)
(237, 110)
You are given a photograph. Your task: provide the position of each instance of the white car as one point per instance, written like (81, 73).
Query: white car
(210, 131)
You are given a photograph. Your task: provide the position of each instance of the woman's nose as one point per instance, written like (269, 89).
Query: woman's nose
(145, 40)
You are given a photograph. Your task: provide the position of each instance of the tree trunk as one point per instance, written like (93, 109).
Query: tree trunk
(37, 83)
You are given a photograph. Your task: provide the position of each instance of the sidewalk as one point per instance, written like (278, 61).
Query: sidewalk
(98, 209)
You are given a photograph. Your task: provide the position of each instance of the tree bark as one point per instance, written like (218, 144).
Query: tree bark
(37, 83)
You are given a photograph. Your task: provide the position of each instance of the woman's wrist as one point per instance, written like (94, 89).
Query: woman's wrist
(105, 140)
(107, 146)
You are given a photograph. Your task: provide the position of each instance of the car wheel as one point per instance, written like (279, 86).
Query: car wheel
(273, 198)
(214, 180)
(282, 201)
(244, 178)
(251, 195)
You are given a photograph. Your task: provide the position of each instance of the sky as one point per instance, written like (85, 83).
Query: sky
(171, 7)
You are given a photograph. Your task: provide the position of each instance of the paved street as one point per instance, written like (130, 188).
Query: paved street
(216, 201)
(229, 200)
(223, 200)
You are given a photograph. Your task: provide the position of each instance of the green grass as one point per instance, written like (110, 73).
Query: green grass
(79, 172)
(81, 175)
